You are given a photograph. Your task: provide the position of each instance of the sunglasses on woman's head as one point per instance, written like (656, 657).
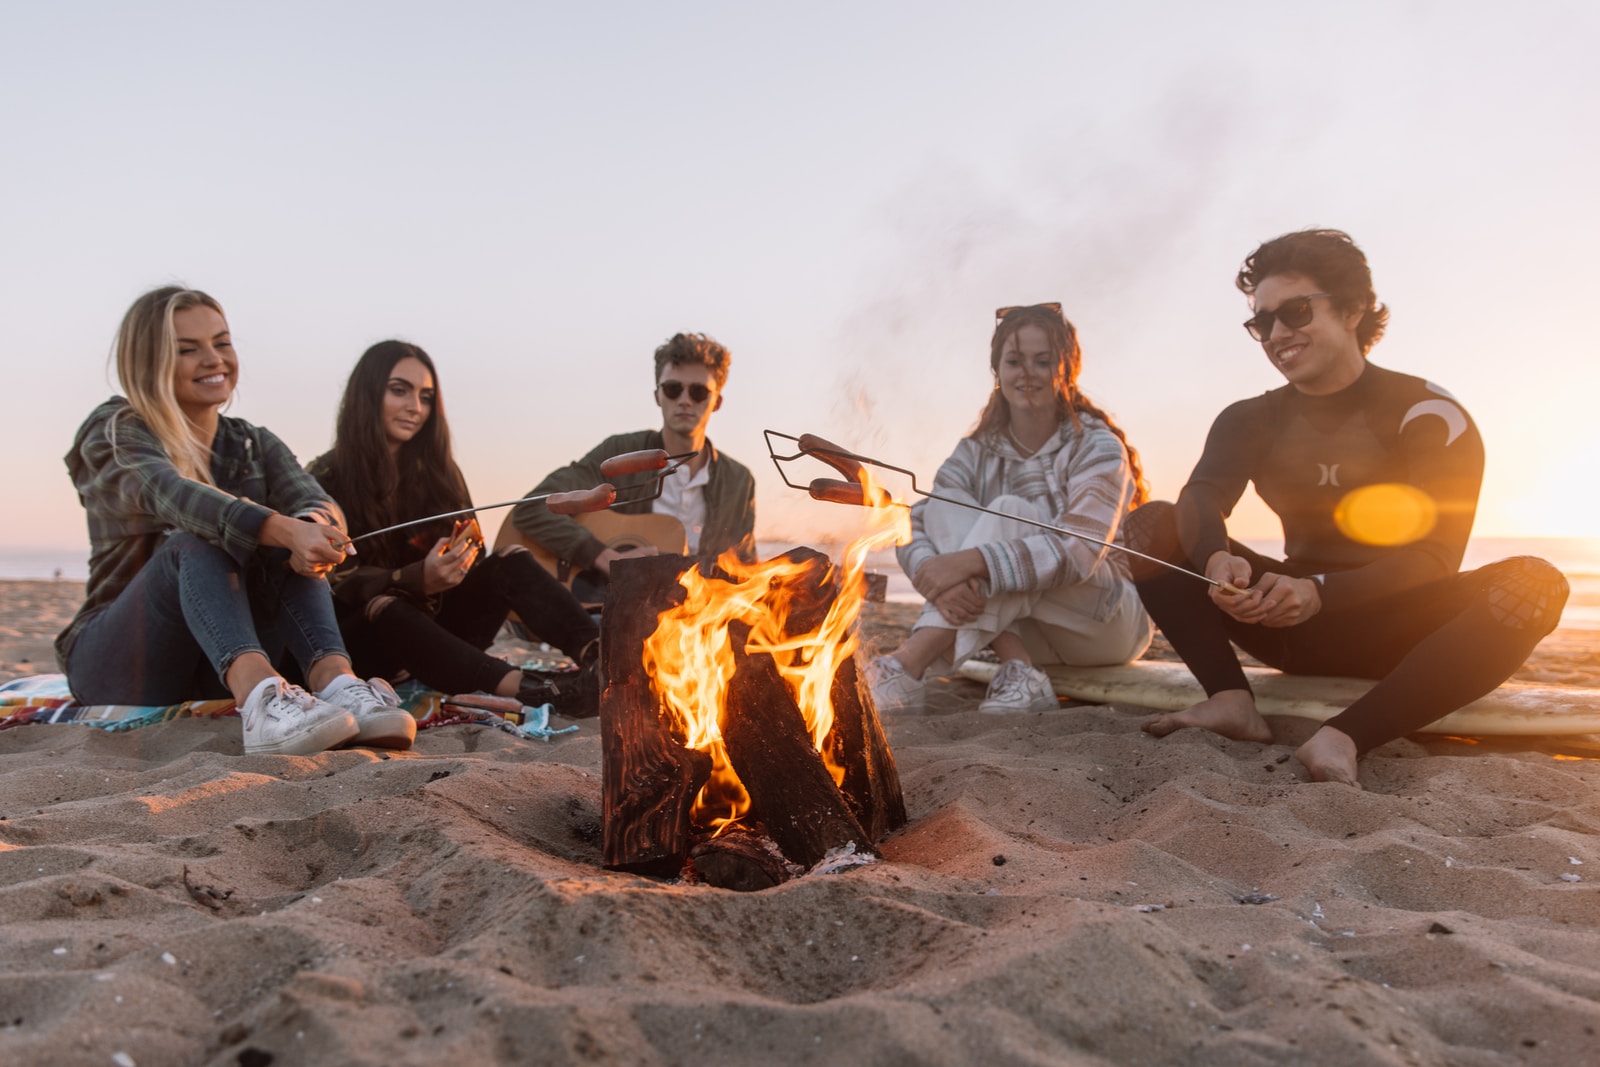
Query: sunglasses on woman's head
(1294, 313)
(1000, 313)
(697, 392)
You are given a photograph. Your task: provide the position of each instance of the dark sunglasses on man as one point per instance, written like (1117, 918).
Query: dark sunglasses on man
(1294, 313)
(697, 392)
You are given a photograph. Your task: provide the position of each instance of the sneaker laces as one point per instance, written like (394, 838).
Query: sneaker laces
(361, 695)
(379, 690)
(1010, 682)
(287, 697)
(884, 669)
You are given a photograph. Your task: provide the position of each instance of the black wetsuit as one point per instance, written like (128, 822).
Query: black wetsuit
(1403, 613)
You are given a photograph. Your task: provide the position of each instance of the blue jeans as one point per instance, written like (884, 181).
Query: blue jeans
(192, 611)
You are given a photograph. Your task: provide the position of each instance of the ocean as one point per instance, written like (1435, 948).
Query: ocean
(1577, 557)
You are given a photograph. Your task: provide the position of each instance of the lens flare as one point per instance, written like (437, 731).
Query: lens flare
(1386, 514)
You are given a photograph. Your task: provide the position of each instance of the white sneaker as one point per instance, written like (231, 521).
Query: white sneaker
(892, 688)
(1019, 687)
(284, 720)
(381, 721)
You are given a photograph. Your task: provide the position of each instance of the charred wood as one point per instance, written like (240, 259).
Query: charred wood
(791, 792)
(741, 860)
(857, 743)
(648, 778)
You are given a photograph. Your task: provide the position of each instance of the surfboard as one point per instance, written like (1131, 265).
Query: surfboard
(1516, 709)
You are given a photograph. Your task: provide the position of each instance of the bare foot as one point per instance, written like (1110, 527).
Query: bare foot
(1231, 713)
(1330, 756)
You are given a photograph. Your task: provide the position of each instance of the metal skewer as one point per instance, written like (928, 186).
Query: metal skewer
(839, 491)
(577, 501)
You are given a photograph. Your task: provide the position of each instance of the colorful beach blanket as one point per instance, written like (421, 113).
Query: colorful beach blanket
(45, 699)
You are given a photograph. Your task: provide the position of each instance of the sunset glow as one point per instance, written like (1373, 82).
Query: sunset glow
(845, 220)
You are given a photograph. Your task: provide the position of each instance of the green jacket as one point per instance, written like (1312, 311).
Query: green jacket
(729, 493)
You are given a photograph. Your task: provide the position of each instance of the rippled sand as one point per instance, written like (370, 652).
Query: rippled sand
(1069, 890)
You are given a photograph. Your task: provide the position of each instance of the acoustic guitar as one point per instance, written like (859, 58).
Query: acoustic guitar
(614, 530)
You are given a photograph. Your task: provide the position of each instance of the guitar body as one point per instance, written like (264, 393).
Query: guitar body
(621, 532)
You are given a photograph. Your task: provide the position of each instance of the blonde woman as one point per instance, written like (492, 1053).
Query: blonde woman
(209, 549)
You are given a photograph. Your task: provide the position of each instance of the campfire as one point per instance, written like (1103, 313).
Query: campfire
(739, 745)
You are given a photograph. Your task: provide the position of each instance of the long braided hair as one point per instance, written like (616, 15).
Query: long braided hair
(1070, 401)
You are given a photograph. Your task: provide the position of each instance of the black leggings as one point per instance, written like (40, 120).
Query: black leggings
(445, 651)
(1435, 648)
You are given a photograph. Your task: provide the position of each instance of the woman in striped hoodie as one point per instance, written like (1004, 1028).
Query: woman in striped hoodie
(1044, 451)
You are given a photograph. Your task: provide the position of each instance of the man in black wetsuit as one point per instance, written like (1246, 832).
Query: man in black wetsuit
(1375, 476)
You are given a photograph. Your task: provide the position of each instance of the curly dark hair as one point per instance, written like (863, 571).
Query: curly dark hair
(1070, 401)
(694, 348)
(1332, 260)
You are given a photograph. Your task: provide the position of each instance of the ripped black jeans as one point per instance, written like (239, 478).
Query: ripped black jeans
(445, 650)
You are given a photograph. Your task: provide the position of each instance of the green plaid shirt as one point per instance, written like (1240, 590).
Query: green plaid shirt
(134, 496)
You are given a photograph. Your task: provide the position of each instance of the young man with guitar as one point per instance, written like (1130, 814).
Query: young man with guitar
(706, 507)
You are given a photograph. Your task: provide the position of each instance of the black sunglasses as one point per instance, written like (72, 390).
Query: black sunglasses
(1000, 313)
(1294, 313)
(697, 392)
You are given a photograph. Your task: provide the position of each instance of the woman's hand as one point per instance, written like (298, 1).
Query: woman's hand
(961, 604)
(948, 571)
(445, 566)
(315, 548)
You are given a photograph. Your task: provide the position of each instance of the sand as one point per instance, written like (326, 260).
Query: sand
(1069, 891)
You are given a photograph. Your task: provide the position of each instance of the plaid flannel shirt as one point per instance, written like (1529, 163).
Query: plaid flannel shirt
(133, 497)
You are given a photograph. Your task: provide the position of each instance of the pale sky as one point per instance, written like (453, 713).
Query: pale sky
(840, 193)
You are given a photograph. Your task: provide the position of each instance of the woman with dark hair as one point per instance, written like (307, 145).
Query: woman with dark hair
(1041, 450)
(418, 600)
(209, 546)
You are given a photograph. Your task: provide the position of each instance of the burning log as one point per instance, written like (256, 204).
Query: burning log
(791, 792)
(857, 743)
(871, 784)
(649, 777)
(732, 704)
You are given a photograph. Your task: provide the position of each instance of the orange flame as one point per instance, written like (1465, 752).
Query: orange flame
(690, 656)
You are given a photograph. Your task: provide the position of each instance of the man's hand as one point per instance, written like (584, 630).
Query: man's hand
(445, 566)
(1274, 600)
(1234, 571)
(607, 557)
(1287, 601)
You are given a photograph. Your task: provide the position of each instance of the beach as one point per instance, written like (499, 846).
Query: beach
(1068, 890)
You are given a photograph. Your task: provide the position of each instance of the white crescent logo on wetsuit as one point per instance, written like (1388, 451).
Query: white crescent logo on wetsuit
(1330, 474)
(1454, 418)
